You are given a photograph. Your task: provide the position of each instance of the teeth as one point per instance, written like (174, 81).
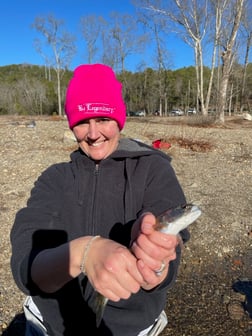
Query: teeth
(97, 144)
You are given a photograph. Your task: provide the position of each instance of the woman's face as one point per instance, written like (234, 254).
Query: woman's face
(97, 137)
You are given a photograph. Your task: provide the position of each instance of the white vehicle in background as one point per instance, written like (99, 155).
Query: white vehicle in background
(191, 111)
(176, 112)
(136, 114)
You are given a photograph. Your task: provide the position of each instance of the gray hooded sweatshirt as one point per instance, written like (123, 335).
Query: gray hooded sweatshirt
(78, 198)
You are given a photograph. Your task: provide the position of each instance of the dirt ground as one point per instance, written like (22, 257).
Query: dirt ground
(213, 292)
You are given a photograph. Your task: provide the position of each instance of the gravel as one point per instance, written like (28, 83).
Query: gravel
(212, 295)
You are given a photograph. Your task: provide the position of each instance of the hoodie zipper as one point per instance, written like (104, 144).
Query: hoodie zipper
(94, 212)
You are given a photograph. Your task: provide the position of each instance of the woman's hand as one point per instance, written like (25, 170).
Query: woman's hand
(154, 250)
(112, 269)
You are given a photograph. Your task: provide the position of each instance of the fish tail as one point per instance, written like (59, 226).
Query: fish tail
(100, 304)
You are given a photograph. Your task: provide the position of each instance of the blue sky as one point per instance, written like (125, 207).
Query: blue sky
(17, 36)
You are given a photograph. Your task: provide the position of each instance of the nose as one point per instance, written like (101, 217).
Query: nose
(93, 129)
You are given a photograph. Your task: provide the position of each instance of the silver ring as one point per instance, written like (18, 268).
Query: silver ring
(161, 269)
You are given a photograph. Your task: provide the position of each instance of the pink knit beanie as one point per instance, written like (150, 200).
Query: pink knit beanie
(94, 92)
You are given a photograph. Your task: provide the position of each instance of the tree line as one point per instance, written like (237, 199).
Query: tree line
(27, 90)
(218, 31)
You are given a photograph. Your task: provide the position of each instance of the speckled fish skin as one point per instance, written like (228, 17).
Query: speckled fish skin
(172, 222)
(177, 219)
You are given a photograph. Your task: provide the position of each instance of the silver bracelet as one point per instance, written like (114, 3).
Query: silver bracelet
(87, 247)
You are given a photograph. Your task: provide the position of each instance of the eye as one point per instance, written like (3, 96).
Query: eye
(83, 122)
(102, 120)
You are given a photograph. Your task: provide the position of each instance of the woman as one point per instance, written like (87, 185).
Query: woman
(88, 225)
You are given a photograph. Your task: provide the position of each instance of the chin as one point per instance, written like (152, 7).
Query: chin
(98, 157)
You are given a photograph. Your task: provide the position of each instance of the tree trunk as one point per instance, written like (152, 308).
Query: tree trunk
(227, 60)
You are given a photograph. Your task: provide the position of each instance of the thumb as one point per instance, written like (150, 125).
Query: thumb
(148, 224)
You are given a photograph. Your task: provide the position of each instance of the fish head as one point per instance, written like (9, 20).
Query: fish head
(179, 217)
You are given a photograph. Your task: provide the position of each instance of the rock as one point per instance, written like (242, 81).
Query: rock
(235, 310)
(247, 116)
(69, 137)
(31, 124)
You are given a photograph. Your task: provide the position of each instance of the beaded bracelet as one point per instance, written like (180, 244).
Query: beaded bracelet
(82, 266)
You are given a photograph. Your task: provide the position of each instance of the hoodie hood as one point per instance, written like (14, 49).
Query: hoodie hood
(129, 148)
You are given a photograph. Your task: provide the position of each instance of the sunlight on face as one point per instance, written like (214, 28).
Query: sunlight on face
(97, 137)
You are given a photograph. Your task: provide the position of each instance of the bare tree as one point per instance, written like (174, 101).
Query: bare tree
(91, 29)
(217, 21)
(189, 20)
(247, 33)
(37, 45)
(61, 44)
(124, 38)
(230, 27)
(23, 96)
(8, 98)
(109, 55)
(31, 94)
(155, 27)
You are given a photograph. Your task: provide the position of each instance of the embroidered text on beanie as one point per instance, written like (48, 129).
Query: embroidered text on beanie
(94, 92)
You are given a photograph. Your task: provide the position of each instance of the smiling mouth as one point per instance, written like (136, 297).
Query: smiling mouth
(96, 144)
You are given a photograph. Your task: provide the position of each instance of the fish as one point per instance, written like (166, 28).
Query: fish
(177, 219)
(172, 221)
